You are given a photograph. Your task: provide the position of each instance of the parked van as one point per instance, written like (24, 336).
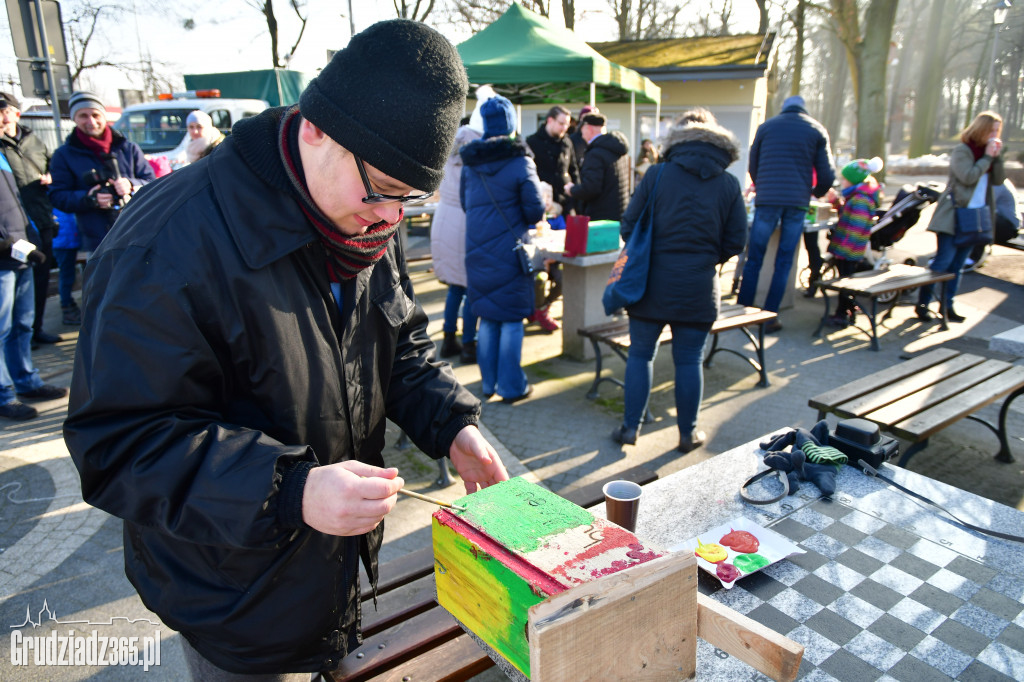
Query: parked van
(160, 127)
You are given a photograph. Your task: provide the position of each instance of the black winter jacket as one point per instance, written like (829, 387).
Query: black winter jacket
(556, 163)
(13, 219)
(30, 160)
(786, 150)
(603, 189)
(699, 221)
(213, 371)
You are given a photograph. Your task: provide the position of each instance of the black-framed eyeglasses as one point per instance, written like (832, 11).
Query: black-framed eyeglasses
(378, 198)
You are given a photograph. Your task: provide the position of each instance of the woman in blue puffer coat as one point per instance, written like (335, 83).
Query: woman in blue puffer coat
(501, 196)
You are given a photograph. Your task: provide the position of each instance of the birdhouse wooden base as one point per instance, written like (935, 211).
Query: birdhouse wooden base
(558, 593)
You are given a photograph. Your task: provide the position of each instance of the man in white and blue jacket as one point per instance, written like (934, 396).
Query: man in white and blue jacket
(18, 377)
(790, 159)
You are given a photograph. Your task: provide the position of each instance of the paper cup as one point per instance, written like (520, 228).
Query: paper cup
(621, 503)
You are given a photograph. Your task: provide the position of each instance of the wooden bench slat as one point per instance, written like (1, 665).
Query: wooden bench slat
(827, 401)
(921, 400)
(459, 659)
(400, 571)
(924, 424)
(401, 643)
(919, 381)
(755, 316)
(400, 604)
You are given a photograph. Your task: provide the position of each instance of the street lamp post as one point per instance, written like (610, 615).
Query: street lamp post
(998, 19)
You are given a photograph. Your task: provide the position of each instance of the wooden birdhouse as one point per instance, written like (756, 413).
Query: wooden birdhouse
(558, 593)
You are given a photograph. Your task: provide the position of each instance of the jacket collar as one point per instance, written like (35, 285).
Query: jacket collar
(252, 189)
(72, 140)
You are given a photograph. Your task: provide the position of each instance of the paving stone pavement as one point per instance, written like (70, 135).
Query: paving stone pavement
(58, 551)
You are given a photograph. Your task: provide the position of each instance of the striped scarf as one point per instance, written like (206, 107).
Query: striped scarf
(347, 256)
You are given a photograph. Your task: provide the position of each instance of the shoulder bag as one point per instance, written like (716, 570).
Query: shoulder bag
(628, 280)
(523, 257)
(973, 226)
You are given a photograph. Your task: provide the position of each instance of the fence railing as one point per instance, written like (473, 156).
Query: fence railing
(46, 131)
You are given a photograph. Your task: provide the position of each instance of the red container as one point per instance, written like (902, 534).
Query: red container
(576, 230)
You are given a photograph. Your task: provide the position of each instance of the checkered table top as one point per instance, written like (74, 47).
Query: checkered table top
(888, 588)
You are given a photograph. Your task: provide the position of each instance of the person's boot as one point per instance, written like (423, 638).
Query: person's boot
(623, 435)
(951, 314)
(468, 356)
(695, 440)
(544, 319)
(922, 312)
(71, 314)
(450, 347)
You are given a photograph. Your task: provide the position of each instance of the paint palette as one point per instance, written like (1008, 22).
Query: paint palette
(770, 548)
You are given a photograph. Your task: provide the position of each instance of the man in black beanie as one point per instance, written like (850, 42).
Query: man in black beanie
(249, 324)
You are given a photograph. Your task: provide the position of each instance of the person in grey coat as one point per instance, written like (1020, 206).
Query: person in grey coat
(975, 167)
(699, 222)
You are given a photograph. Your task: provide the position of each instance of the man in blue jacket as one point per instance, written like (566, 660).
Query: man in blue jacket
(18, 377)
(96, 170)
(789, 151)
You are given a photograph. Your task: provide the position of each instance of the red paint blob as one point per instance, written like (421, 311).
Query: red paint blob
(740, 541)
(726, 572)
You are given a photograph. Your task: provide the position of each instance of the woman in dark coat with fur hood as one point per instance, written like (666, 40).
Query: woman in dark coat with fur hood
(699, 222)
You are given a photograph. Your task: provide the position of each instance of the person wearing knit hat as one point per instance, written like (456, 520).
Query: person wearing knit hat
(579, 145)
(203, 136)
(501, 196)
(95, 172)
(857, 201)
(249, 326)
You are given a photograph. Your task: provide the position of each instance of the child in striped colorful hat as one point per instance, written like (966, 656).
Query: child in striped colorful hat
(859, 195)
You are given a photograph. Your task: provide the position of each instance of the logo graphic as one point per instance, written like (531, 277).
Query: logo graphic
(66, 646)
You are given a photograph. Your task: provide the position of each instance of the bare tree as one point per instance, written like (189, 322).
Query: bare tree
(479, 14)
(867, 53)
(266, 8)
(650, 19)
(569, 13)
(80, 28)
(929, 86)
(405, 11)
(798, 52)
(762, 13)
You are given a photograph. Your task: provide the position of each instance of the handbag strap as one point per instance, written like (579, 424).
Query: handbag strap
(493, 201)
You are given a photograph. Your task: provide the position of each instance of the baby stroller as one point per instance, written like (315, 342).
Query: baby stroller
(890, 227)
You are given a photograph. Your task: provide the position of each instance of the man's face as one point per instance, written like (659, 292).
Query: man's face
(9, 117)
(557, 126)
(589, 132)
(335, 185)
(91, 122)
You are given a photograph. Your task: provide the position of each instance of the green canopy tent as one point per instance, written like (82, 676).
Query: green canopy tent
(530, 60)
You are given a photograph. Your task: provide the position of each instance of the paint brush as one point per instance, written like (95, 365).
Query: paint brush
(432, 500)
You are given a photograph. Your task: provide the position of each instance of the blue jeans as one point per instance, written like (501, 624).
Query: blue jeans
(766, 219)
(948, 258)
(688, 342)
(499, 352)
(17, 312)
(457, 299)
(65, 274)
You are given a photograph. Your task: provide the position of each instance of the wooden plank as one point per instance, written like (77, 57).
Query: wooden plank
(399, 571)
(910, 385)
(745, 320)
(951, 387)
(454, 661)
(636, 624)
(828, 400)
(590, 494)
(756, 645)
(396, 645)
(399, 604)
(924, 424)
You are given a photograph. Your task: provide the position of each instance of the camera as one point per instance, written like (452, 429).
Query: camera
(104, 177)
(860, 439)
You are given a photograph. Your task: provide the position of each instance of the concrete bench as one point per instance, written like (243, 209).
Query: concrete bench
(922, 396)
(615, 335)
(409, 637)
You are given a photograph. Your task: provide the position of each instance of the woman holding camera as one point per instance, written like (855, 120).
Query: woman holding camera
(501, 196)
(95, 171)
(975, 167)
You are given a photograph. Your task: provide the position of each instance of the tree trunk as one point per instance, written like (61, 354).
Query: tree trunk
(569, 13)
(762, 12)
(929, 87)
(268, 12)
(835, 91)
(623, 20)
(874, 58)
(798, 49)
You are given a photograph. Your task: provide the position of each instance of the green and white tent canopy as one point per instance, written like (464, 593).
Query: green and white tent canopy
(530, 60)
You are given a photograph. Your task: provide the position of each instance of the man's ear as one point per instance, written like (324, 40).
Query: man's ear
(310, 134)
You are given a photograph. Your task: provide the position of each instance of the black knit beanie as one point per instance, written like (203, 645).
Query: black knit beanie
(394, 97)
